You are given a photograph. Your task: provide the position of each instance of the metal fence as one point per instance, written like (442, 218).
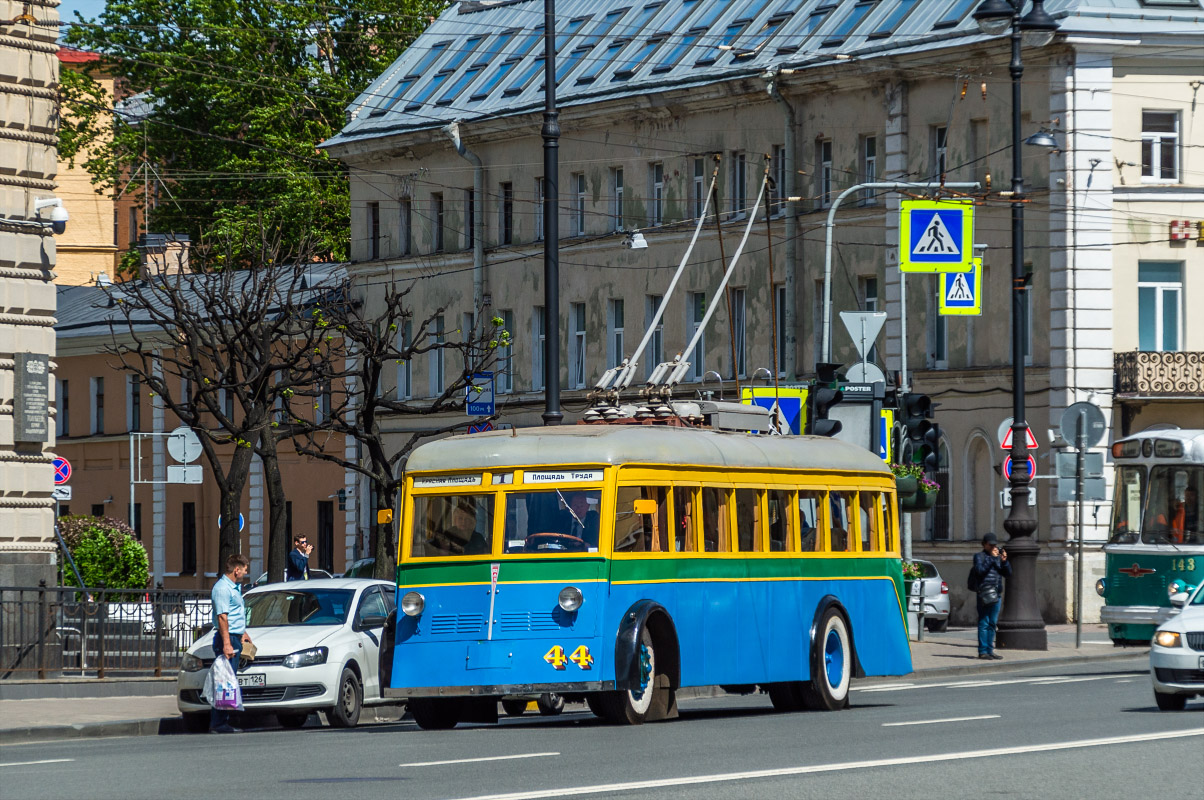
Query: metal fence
(48, 632)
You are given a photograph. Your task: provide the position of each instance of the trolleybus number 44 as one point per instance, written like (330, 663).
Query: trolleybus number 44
(581, 657)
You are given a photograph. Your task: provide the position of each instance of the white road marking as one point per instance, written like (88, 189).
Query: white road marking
(474, 760)
(728, 777)
(976, 684)
(1096, 641)
(31, 763)
(1126, 680)
(937, 721)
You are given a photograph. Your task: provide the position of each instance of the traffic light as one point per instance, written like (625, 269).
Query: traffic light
(914, 409)
(820, 399)
(930, 454)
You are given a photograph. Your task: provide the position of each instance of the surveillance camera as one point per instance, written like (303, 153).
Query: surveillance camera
(57, 215)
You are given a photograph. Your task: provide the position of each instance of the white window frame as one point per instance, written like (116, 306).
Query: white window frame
(225, 399)
(779, 299)
(655, 352)
(373, 230)
(658, 193)
(614, 331)
(738, 191)
(869, 168)
(405, 227)
(870, 301)
(700, 187)
(577, 366)
(505, 210)
(616, 211)
(133, 409)
(739, 298)
(405, 369)
(96, 409)
(578, 203)
(504, 374)
(470, 210)
(695, 311)
(436, 364)
(940, 151)
(823, 157)
(437, 243)
(777, 204)
(538, 347)
(1156, 139)
(62, 407)
(539, 200)
(1161, 290)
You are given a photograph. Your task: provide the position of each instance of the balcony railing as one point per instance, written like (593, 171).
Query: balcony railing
(1141, 373)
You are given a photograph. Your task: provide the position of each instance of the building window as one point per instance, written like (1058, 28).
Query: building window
(188, 539)
(137, 519)
(658, 194)
(225, 399)
(62, 406)
(373, 231)
(940, 151)
(699, 187)
(697, 309)
(470, 215)
(939, 528)
(405, 375)
(578, 203)
(779, 299)
(505, 356)
(435, 374)
(437, 221)
(324, 402)
(779, 191)
(506, 220)
(325, 535)
(616, 212)
(538, 347)
(98, 509)
(938, 334)
(738, 298)
(656, 344)
(577, 354)
(614, 332)
(1159, 305)
(817, 317)
(823, 157)
(132, 225)
(739, 188)
(405, 226)
(539, 200)
(869, 168)
(98, 405)
(133, 403)
(870, 302)
(1159, 146)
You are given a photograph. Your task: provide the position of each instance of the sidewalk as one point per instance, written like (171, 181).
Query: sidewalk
(70, 716)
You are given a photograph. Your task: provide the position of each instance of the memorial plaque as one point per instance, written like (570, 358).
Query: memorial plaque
(31, 395)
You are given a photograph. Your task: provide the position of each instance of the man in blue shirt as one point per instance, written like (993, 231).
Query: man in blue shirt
(229, 627)
(297, 568)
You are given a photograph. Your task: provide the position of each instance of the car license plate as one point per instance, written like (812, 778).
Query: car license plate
(253, 680)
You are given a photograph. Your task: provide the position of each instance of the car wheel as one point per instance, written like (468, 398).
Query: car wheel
(514, 707)
(293, 720)
(831, 665)
(1170, 702)
(346, 710)
(435, 714)
(196, 722)
(550, 704)
(937, 625)
(650, 700)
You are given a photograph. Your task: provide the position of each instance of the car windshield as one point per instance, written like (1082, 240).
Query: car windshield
(298, 607)
(1198, 598)
(1174, 512)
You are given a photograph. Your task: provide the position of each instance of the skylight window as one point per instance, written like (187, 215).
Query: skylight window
(635, 26)
(425, 94)
(506, 66)
(459, 86)
(671, 21)
(956, 13)
(413, 76)
(401, 89)
(729, 35)
(603, 61)
(673, 54)
(809, 26)
(518, 84)
(849, 23)
(750, 46)
(458, 56)
(891, 21)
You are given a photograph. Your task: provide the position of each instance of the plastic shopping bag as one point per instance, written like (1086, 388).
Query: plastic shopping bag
(221, 686)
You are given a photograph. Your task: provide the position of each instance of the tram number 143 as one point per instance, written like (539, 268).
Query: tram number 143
(1188, 564)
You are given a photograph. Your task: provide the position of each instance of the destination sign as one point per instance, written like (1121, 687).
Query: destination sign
(564, 476)
(447, 480)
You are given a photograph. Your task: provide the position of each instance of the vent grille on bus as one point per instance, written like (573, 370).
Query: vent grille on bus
(445, 624)
(1195, 640)
(519, 621)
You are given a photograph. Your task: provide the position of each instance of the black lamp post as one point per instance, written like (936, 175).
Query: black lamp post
(552, 414)
(1020, 625)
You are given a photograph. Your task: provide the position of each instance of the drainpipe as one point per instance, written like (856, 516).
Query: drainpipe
(480, 282)
(788, 192)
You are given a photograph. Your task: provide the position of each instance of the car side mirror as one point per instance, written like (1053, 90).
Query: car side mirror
(1179, 599)
(370, 622)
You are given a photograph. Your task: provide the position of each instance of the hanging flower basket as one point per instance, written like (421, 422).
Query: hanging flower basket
(907, 485)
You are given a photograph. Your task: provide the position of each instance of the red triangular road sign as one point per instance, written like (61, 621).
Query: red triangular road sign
(1007, 440)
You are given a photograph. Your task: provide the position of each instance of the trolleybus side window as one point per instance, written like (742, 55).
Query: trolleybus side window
(748, 521)
(642, 520)
(886, 501)
(779, 508)
(556, 521)
(684, 503)
(869, 502)
(460, 525)
(1126, 507)
(810, 536)
(716, 523)
(839, 505)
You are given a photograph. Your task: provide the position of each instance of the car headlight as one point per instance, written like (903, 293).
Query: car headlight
(412, 603)
(570, 598)
(1101, 586)
(1166, 639)
(190, 663)
(306, 658)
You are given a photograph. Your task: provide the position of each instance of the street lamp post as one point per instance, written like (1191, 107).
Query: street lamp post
(1020, 625)
(552, 414)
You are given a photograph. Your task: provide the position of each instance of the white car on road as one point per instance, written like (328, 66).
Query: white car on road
(1177, 653)
(318, 647)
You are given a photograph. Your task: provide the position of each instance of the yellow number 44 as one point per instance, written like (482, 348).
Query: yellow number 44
(582, 658)
(556, 657)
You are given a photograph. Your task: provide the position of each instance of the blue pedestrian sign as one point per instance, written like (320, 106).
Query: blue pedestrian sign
(936, 236)
(478, 396)
(785, 403)
(961, 293)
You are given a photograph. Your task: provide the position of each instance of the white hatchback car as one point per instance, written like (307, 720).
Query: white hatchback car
(318, 647)
(1177, 653)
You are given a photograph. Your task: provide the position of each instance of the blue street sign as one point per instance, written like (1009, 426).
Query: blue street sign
(936, 236)
(242, 522)
(478, 396)
(961, 293)
(1007, 467)
(789, 401)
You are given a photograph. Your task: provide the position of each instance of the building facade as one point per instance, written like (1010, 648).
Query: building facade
(820, 96)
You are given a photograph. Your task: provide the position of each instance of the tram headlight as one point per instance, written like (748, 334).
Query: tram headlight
(412, 603)
(1101, 586)
(1166, 639)
(1175, 587)
(570, 598)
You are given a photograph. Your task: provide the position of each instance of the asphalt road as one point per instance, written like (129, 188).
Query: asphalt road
(1089, 731)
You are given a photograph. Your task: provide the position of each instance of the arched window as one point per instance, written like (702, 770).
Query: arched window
(978, 498)
(939, 527)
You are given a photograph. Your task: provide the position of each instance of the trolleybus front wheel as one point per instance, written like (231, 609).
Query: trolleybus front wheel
(435, 714)
(650, 700)
(514, 707)
(831, 664)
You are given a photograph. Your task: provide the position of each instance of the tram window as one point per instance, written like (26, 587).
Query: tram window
(1126, 505)
(748, 520)
(459, 525)
(642, 520)
(839, 504)
(559, 521)
(715, 522)
(779, 509)
(1172, 511)
(809, 505)
(683, 527)
(886, 503)
(868, 501)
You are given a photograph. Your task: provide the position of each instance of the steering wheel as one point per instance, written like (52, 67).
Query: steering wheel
(549, 540)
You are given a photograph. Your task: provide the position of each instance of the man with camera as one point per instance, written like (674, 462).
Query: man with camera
(986, 579)
(297, 568)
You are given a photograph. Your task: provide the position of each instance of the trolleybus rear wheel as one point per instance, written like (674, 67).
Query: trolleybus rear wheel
(514, 707)
(550, 704)
(435, 714)
(831, 665)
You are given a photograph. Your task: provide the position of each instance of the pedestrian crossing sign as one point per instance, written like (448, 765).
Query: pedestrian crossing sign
(961, 292)
(936, 236)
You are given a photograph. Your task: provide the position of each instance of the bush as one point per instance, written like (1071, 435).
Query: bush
(106, 552)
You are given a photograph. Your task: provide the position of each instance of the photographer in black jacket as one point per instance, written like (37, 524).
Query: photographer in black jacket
(986, 578)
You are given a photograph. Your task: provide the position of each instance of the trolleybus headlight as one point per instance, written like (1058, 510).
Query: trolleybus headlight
(1166, 639)
(1101, 586)
(412, 603)
(570, 598)
(1175, 588)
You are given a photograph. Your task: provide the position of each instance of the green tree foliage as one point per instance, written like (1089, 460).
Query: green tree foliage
(237, 94)
(106, 552)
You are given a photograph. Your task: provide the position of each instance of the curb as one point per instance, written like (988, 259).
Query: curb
(92, 730)
(1010, 666)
